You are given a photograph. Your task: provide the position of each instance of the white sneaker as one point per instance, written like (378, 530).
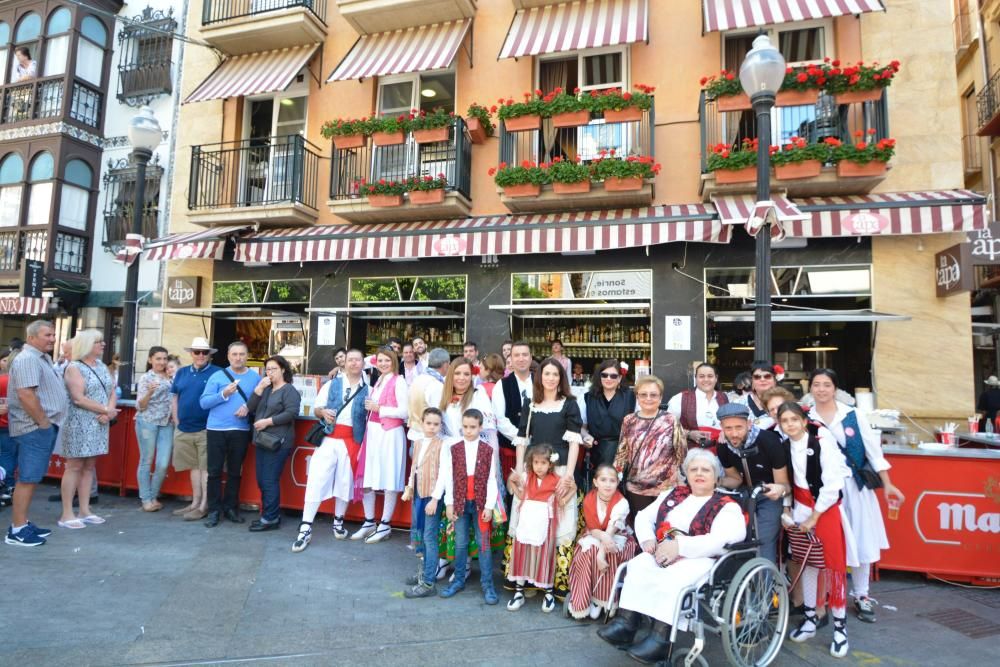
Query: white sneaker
(302, 541)
(380, 534)
(366, 529)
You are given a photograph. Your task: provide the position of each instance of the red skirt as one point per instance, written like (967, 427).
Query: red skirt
(535, 566)
(830, 531)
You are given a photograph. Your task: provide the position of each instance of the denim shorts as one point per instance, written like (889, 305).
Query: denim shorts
(34, 451)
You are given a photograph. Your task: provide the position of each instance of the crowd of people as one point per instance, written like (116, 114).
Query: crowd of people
(499, 455)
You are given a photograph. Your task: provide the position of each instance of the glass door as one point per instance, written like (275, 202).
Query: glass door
(269, 157)
(394, 163)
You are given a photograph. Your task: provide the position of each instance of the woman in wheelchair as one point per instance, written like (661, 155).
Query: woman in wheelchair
(681, 534)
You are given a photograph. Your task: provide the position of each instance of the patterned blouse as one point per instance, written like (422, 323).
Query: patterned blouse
(157, 411)
(647, 448)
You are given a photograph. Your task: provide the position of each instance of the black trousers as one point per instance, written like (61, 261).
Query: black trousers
(225, 449)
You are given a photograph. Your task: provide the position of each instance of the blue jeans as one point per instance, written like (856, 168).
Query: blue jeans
(33, 452)
(768, 526)
(155, 442)
(469, 513)
(269, 467)
(429, 548)
(8, 455)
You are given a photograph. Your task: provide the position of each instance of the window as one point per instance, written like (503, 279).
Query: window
(11, 175)
(90, 50)
(71, 253)
(27, 34)
(119, 186)
(57, 42)
(4, 49)
(261, 292)
(40, 189)
(74, 204)
(146, 46)
(971, 143)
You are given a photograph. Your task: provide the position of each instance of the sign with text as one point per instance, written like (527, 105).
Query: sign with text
(953, 270)
(449, 246)
(620, 285)
(985, 245)
(32, 278)
(866, 223)
(183, 292)
(677, 332)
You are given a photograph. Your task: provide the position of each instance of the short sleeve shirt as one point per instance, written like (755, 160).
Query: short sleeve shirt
(32, 369)
(770, 455)
(189, 384)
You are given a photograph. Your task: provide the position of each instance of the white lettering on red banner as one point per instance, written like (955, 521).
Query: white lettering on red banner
(944, 517)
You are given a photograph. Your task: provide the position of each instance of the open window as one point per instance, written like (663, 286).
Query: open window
(28, 36)
(273, 157)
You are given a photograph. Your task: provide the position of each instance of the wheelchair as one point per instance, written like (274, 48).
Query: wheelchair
(744, 601)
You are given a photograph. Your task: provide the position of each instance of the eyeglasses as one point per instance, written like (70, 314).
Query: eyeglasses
(647, 395)
(610, 376)
(762, 376)
(199, 353)
(272, 370)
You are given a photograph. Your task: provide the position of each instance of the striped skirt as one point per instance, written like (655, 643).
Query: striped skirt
(587, 582)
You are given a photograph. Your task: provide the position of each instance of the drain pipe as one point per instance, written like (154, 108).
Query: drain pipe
(985, 60)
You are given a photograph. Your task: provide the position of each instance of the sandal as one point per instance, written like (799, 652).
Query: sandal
(92, 519)
(516, 602)
(72, 524)
(548, 603)
(302, 541)
(839, 646)
(807, 628)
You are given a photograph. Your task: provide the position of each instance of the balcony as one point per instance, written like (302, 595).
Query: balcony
(965, 33)
(119, 207)
(586, 143)
(371, 163)
(69, 256)
(266, 181)
(371, 16)
(249, 26)
(36, 100)
(988, 104)
(814, 123)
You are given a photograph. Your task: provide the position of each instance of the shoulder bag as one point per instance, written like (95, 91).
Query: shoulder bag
(264, 440)
(318, 430)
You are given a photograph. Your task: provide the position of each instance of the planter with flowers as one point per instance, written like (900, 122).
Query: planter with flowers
(569, 176)
(859, 82)
(565, 109)
(522, 116)
(426, 189)
(799, 159)
(622, 106)
(801, 86)
(734, 165)
(388, 130)
(726, 90)
(346, 133)
(862, 158)
(479, 122)
(524, 180)
(383, 193)
(429, 128)
(621, 175)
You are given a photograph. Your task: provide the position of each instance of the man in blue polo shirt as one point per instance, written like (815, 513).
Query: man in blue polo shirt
(190, 440)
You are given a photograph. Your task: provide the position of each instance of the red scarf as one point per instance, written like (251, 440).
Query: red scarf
(543, 491)
(590, 510)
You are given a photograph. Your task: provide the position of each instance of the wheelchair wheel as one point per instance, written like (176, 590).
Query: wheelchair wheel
(755, 614)
(681, 655)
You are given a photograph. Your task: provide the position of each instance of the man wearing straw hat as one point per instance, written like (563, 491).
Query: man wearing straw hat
(190, 436)
(989, 401)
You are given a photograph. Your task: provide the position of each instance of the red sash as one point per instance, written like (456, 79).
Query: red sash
(830, 531)
(542, 492)
(590, 510)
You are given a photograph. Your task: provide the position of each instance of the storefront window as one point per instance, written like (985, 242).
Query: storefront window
(438, 288)
(262, 292)
(584, 285)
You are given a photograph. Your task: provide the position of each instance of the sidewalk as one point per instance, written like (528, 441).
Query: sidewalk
(153, 589)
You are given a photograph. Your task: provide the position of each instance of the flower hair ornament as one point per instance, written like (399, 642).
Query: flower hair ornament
(779, 372)
(554, 457)
(623, 368)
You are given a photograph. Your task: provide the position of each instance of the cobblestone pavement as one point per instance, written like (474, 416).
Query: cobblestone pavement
(151, 589)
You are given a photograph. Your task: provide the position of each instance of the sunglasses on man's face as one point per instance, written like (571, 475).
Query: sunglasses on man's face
(610, 376)
(199, 353)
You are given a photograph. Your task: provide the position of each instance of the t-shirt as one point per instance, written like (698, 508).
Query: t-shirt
(770, 455)
(188, 384)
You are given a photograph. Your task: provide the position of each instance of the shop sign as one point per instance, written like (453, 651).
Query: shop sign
(620, 285)
(953, 270)
(677, 332)
(985, 245)
(866, 223)
(951, 518)
(32, 278)
(183, 292)
(449, 246)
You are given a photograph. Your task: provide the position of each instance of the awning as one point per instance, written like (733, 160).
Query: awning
(204, 244)
(736, 14)
(817, 315)
(418, 49)
(23, 305)
(737, 209)
(253, 73)
(487, 235)
(234, 313)
(888, 214)
(584, 24)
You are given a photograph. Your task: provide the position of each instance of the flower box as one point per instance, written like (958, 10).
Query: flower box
(349, 141)
(424, 197)
(522, 190)
(797, 98)
(523, 123)
(385, 201)
(848, 169)
(731, 176)
(626, 115)
(430, 136)
(387, 138)
(615, 184)
(476, 130)
(739, 102)
(797, 170)
(571, 188)
(571, 119)
(855, 96)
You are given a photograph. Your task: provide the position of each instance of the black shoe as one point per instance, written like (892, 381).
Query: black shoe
(621, 631)
(259, 526)
(655, 647)
(234, 516)
(213, 519)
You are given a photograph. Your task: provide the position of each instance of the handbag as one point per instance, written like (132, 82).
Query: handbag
(806, 548)
(870, 478)
(316, 434)
(268, 441)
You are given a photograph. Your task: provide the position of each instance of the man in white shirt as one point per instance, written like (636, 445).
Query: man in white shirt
(438, 361)
(695, 408)
(508, 401)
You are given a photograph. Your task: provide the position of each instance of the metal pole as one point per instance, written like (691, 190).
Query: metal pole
(130, 306)
(762, 105)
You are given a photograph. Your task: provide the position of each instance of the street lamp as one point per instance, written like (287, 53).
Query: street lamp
(144, 134)
(761, 75)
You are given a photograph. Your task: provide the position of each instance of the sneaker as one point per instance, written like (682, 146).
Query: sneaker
(413, 580)
(41, 532)
(339, 531)
(490, 596)
(380, 534)
(302, 541)
(420, 590)
(366, 529)
(24, 538)
(865, 608)
(452, 590)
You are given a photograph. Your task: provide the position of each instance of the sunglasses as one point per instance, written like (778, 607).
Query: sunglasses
(610, 376)
(762, 376)
(199, 353)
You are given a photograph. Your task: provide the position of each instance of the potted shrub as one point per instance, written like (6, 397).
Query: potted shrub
(388, 130)
(524, 180)
(428, 128)
(345, 133)
(799, 159)
(862, 158)
(726, 90)
(734, 165)
(567, 110)
(479, 122)
(801, 86)
(383, 193)
(860, 82)
(569, 176)
(621, 175)
(622, 106)
(522, 116)
(427, 189)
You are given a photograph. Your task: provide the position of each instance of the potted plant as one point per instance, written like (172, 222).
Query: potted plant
(427, 189)
(479, 122)
(622, 106)
(859, 82)
(734, 165)
(799, 159)
(524, 180)
(388, 130)
(801, 86)
(345, 133)
(429, 128)
(569, 176)
(522, 116)
(382, 193)
(567, 110)
(862, 158)
(726, 90)
(621, 175)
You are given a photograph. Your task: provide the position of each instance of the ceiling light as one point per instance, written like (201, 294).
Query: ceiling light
(744, 344)
(817, 345)
(287, 102)
(428, 92)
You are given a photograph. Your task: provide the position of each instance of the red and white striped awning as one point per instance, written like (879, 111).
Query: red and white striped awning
(888, 214)
(737, 14)
(204, 244)
(487, 235)
(23, 305)
(253, 73)
(418, 49)
(736, 209)
(583, 24)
